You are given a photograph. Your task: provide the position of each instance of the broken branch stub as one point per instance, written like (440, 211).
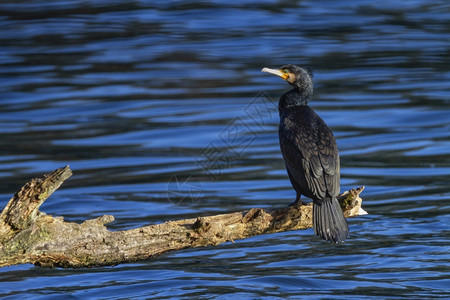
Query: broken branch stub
(23, 207)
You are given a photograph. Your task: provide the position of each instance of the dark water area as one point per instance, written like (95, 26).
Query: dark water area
(162, 112)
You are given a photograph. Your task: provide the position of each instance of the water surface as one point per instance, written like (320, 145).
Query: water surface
(137, 95)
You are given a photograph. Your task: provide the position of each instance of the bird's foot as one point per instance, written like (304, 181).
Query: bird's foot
(297, 203)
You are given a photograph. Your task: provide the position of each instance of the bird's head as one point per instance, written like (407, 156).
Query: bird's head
(293, 74)
(301, 81)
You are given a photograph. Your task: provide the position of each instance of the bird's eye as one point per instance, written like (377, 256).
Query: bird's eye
(285, 71)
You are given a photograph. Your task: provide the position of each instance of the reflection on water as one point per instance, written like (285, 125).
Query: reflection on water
(137, 96)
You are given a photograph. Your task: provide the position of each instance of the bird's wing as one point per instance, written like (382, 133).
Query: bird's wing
(310, 152)
(329, 158)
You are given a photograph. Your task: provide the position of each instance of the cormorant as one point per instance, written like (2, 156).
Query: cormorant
(310, 153)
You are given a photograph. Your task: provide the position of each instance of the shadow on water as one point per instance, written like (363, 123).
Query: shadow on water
(139, 97)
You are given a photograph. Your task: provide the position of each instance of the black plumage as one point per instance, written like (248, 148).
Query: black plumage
(310, 153)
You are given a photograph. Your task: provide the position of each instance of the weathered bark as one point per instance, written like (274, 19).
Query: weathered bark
(30, 236)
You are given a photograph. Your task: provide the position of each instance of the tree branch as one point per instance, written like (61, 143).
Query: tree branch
(30, 236)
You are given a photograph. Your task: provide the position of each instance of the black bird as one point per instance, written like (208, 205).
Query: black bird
(310, 153)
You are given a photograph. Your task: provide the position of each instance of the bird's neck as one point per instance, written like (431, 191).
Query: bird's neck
(295, 97)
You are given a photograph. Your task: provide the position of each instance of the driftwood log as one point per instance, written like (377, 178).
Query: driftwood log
(30, 236)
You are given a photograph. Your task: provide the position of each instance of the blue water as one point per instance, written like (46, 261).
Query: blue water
(136, 96)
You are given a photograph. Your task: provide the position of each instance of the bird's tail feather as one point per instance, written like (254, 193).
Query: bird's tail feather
(329, 221)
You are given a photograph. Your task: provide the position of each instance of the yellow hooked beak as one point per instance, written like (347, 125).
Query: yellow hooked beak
(280, 73)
